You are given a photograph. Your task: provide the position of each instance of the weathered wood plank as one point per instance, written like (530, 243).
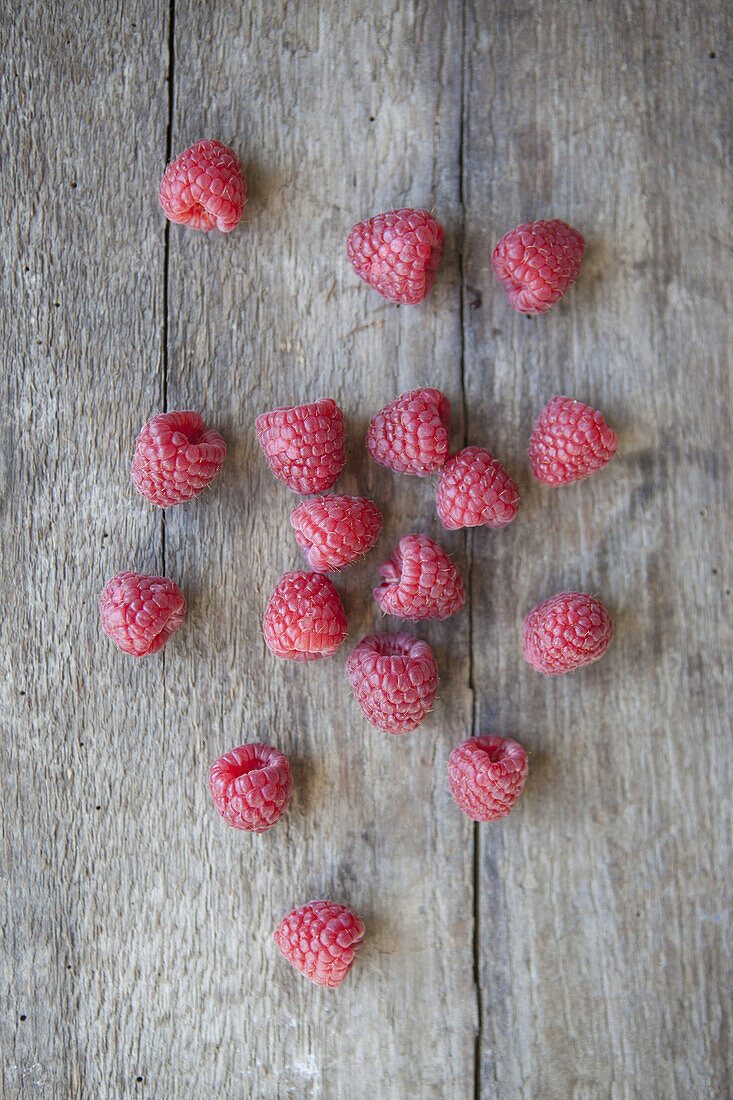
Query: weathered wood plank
(605, 910)
(338, 113)
(85, 109)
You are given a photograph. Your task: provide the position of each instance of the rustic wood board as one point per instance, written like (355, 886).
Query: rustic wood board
(579, 949)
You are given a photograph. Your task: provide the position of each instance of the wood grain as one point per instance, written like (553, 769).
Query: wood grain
(137, 958)
(605, 901)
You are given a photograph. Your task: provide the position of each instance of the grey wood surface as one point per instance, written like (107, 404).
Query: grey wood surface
(581, 948)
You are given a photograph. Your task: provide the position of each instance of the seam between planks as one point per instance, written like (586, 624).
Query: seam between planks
(468, 547)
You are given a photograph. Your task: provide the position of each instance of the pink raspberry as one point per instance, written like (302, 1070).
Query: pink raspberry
(140, 613)
(305, 446)
(398, 253)
(566, 632)
(205, 188)
(395, 679)
(410, 435)
(486, 776)
(176, 456)
(420, 581)
(251, 786)
(474, 490)
(537, 262)
(321, 940)
(304, 619)
(335, 531)
(569, 441)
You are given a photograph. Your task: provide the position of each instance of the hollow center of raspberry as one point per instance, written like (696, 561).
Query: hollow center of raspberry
(255, 765)
(495, 754)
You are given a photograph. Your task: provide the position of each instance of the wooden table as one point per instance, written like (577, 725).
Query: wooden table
(581, 948)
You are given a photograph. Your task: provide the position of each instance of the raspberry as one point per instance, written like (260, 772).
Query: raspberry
(140, 613)
(176, 456)
(474, 490)
(304, 619)
(398, 253)
(569, 441)
(205, 188)
(321, 940)
(486, 776)
(410, 435)
(251, 786)
(420, 581)
(335, 531)
(537, 262)
(566, 632)
(305, 446)
(395, 678)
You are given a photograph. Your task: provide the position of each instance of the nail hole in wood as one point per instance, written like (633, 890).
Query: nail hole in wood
(713, 54)
(22, 1017)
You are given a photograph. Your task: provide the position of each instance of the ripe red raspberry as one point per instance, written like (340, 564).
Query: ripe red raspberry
(176, 456)
(251, 786)
(395, 678)
(321, 940)
(537, 262)
(335, 531)
(205, 188)
(140, 613)
(474, 490)
(410, 435)
(420, 581)
(486, 776)
(305, 446)
(566, 632)
(569, 441)
(398, 253)
(304, 619)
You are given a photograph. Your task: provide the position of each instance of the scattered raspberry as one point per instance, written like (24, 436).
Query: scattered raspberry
(410, 435)
(304, 619)
(420, 581)
(486, 776)
(537, 262)
(569, 441)
(140, 613)
(176, 456)
(205, 188)
(398, 253)
(305, 446)
(475, 490)
(335, 531)
(251, 786)
(566, 632)
(395, 678)
(321, 940)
